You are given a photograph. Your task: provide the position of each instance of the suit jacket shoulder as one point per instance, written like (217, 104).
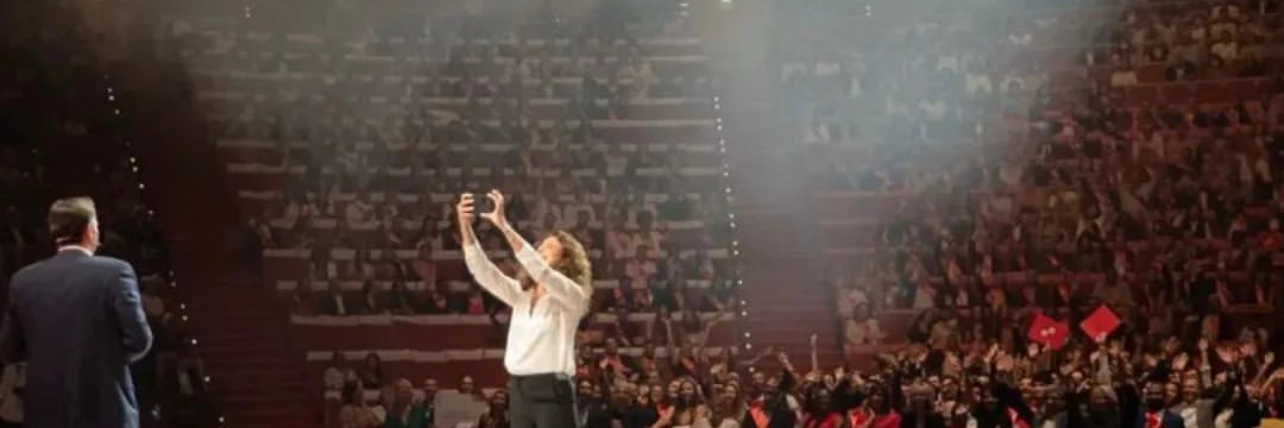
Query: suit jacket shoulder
(27, 274)
(107, 263)
(1173, 420)
(93, 267)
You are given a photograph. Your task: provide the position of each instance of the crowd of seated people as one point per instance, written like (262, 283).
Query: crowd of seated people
(1133, 379)
(1129, 379)
(52, 95)
(647, 209)
(370, 396)
(349, 202)
(1049, 157)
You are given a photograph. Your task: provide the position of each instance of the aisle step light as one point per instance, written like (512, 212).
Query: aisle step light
(731, 217)
(133, 162)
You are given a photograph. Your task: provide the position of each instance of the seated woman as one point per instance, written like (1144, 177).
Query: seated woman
(496, 415)
(862, 328)
(355, 413)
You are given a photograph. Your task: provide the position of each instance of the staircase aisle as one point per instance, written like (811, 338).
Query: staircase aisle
(787, 299)
(243, 336)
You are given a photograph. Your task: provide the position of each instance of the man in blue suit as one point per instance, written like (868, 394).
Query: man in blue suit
(77, 320)
(1155, 413)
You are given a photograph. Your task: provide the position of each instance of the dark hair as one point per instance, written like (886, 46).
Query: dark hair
(69, 218)
(350, 394)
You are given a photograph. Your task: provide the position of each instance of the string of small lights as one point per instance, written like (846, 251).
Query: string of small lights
(742, 307)
(135, 177)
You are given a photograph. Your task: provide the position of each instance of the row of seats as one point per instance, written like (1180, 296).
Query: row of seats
(257, 94)
(915, 170)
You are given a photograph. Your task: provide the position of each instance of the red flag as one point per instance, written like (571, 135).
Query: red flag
(1099, 325)
(1048, 332)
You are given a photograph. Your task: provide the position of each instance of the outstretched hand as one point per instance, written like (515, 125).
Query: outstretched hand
(465, 209)
(466, 212)
(497, 217)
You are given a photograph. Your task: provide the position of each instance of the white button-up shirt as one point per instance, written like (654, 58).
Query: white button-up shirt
(1190, 415)
(541, 336)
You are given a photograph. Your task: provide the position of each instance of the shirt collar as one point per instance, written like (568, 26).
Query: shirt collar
(75, 248)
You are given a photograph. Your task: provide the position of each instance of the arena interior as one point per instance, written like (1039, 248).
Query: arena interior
(886, 213)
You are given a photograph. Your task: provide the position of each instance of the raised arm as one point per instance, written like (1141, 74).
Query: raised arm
(136, 336)
(559, 287)
(487, 275)
(563, 290)
(815, 359)
(764, 354)
(702, 337)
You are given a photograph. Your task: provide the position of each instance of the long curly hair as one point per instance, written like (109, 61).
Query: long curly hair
(574, 262)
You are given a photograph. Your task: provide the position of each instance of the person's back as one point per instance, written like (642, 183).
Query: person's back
(77, 320)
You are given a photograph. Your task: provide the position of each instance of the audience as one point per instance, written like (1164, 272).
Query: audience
(1065, 186)
(50, 88)
(364, 192)
(1044, 162)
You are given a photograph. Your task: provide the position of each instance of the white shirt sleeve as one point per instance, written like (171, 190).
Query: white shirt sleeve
(489, 277)
(561, 289)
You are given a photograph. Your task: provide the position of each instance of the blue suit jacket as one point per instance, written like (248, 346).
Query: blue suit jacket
(78, 322)
(1167, 419)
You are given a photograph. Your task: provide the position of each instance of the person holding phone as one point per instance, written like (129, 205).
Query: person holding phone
(548, 298)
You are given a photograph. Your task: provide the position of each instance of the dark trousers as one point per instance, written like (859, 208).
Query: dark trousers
(542, 401)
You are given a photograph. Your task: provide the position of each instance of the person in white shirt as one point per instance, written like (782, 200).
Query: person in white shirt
(334, 379)
(1123, 76)
(358, 210)
(1226, 49)
(548, 299)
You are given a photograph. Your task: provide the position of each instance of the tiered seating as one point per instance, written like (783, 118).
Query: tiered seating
(959, 174)
(60, 139)
(351, 159)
